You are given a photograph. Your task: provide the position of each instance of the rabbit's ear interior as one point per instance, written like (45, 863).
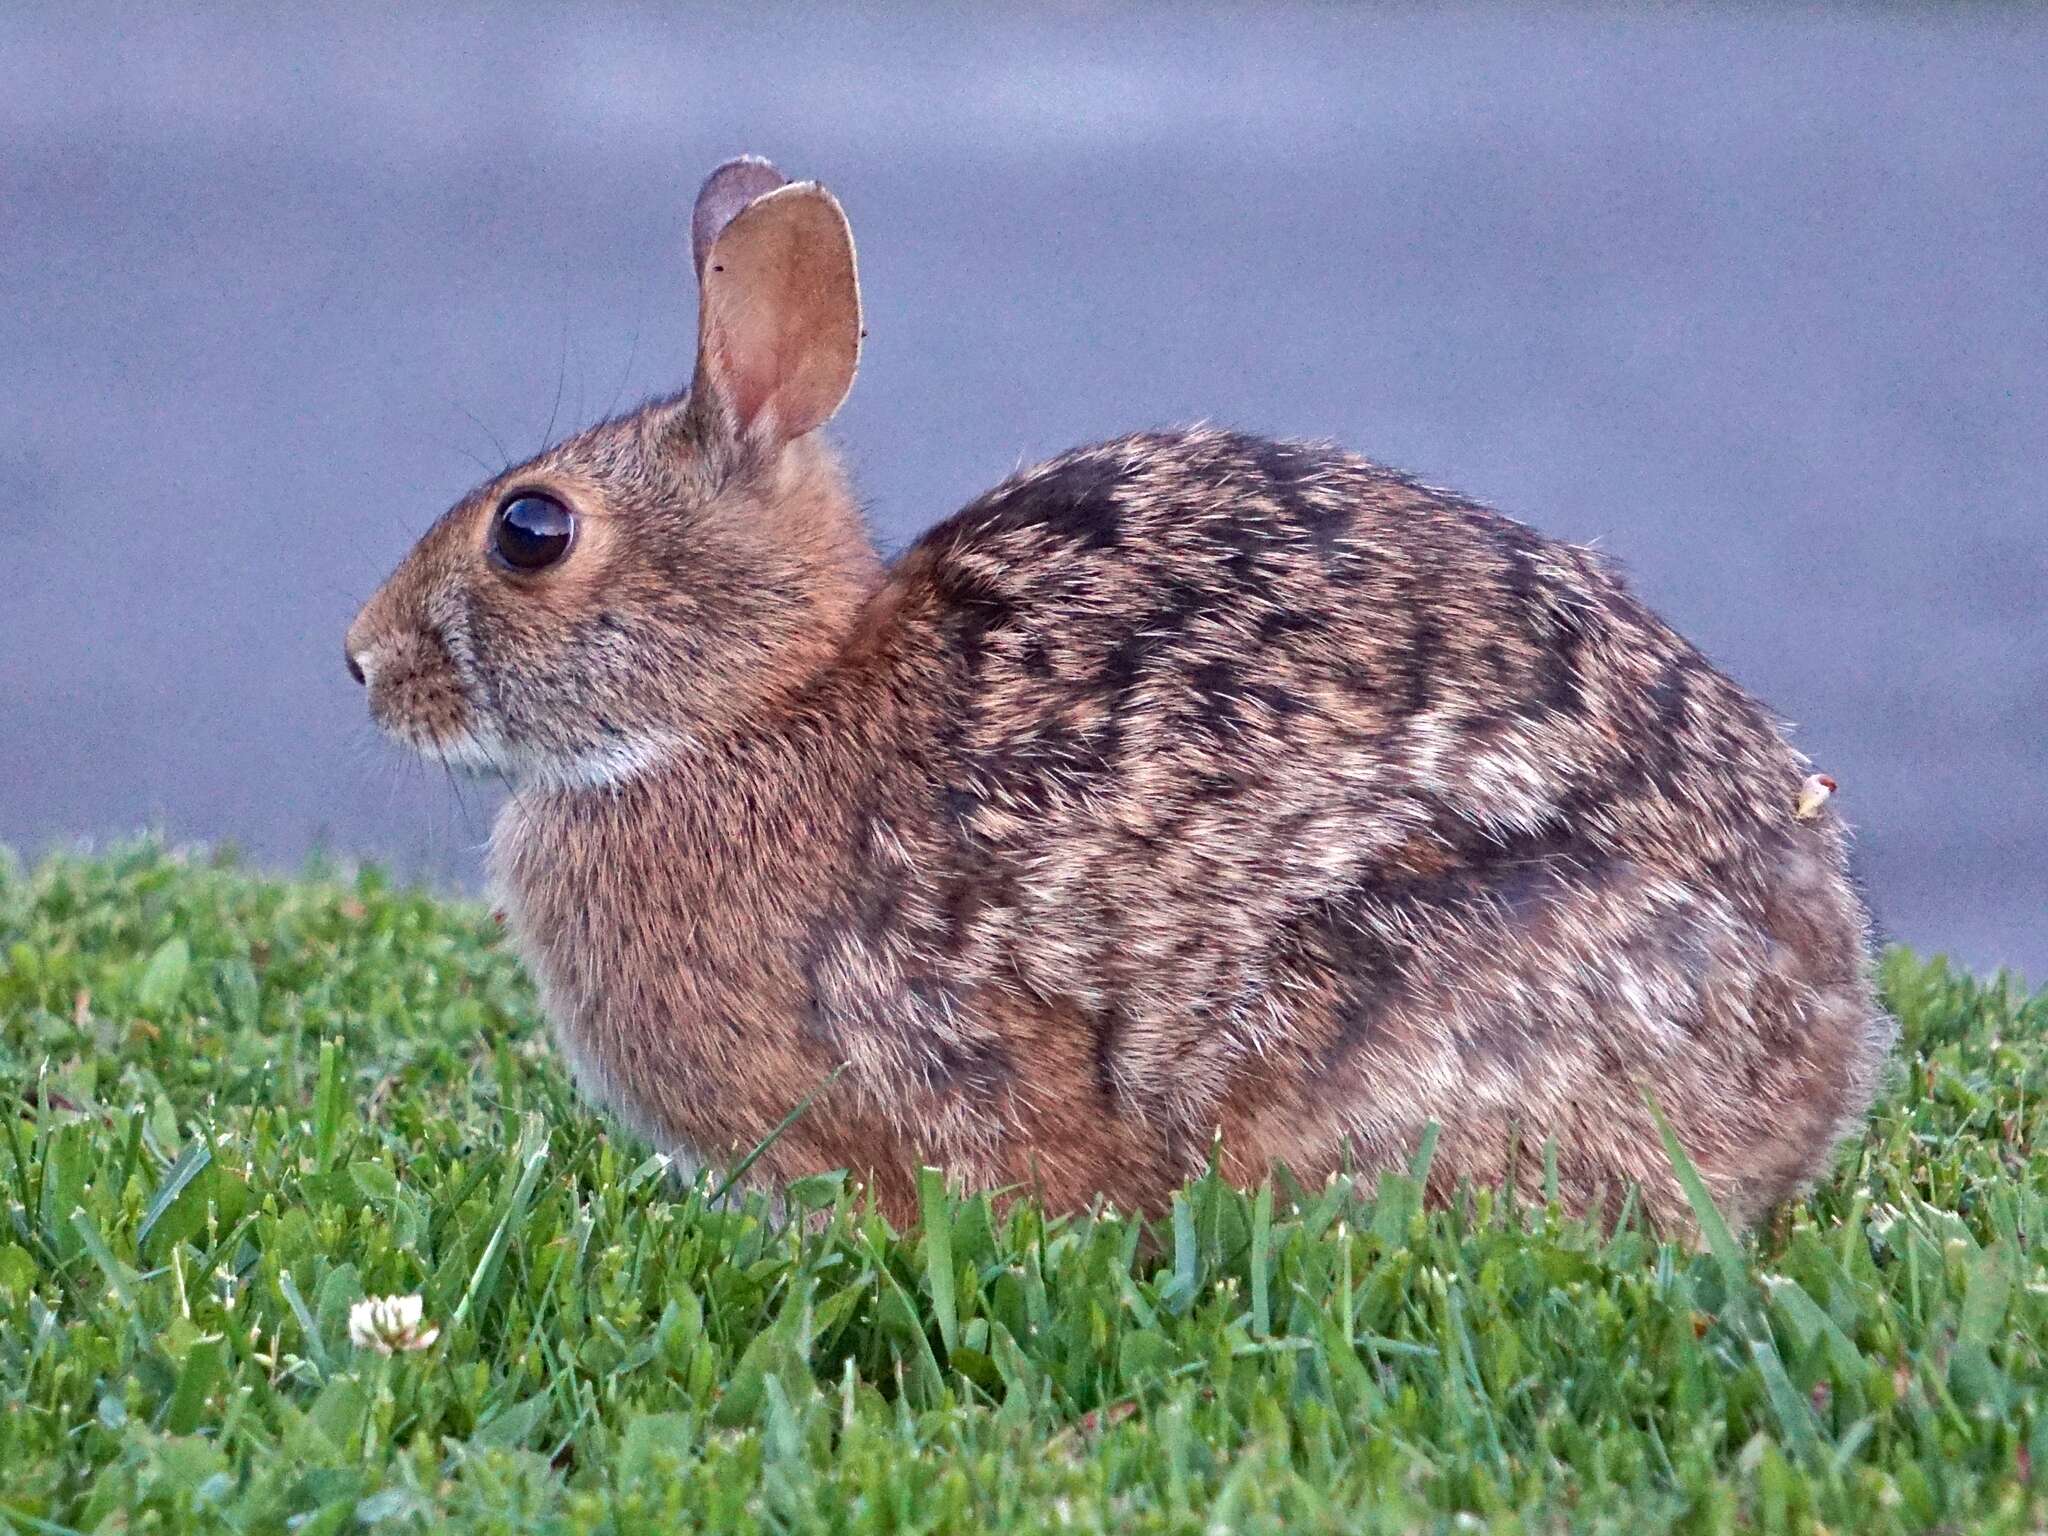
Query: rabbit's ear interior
(778, 329)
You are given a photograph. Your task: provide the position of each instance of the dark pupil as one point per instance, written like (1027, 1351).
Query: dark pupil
(533, 531)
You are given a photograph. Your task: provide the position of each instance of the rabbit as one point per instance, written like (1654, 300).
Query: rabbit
(1189, 796)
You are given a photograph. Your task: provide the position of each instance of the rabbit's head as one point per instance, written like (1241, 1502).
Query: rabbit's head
(593, 610)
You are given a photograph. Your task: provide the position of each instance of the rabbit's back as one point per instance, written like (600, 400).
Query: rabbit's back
(1326, 804)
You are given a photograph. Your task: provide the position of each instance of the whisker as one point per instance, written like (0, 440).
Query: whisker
(632, 356)
(561, 375)
(468, 822)
(487, 432)
(477, 459)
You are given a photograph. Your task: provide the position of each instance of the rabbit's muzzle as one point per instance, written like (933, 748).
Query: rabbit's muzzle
(415, 693)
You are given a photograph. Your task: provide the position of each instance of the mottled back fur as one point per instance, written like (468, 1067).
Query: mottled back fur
(1189, 786)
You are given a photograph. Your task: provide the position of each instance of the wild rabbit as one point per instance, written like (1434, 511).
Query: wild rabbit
(1191, 790)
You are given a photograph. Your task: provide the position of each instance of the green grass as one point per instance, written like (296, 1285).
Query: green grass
(236, 1105)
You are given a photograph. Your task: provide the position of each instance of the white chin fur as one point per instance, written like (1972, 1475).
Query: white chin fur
(607, 767)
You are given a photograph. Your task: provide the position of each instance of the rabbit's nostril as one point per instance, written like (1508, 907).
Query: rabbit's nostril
(355, 668)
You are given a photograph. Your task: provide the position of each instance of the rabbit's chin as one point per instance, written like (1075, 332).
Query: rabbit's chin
(614, 763)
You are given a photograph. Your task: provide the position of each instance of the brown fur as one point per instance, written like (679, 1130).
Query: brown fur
(1189, 785)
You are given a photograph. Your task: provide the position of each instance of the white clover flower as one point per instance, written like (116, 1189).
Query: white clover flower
(389, 1324)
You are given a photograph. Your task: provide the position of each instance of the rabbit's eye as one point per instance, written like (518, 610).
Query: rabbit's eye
(532, 532)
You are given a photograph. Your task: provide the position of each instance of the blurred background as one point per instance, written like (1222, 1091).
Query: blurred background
(1757, 302)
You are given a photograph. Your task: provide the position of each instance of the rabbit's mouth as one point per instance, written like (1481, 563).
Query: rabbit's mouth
(426, 709)
(444, 736)
(415, 698)
(460, 748)
(610, 764)
(468, 753)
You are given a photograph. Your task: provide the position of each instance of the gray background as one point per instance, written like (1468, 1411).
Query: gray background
(1755, 301)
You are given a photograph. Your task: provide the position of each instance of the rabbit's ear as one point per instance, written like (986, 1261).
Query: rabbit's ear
(778, 327)
(725, 192)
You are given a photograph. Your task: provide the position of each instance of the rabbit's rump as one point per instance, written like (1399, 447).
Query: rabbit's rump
(1267, 793)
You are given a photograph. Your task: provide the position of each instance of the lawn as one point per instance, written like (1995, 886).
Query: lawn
(239, 1105)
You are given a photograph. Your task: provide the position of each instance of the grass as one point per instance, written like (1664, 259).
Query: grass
(238, 1105)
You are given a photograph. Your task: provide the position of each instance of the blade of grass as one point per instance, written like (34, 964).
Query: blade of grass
(327, 1106)
(1425, 1154)
(740, 1169)
(936, 1210)
(11, 1516)
(1789, 1406)
(1713, 1226)
(190, 1164)
(486, 1272)
(316, 1347)
(119, 1276)
(1185, 1269)
(1262, 1250)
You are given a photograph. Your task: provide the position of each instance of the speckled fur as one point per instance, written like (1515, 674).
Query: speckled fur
(1187, 786)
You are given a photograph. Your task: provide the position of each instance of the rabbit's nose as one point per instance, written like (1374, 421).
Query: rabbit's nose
(355, 668)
